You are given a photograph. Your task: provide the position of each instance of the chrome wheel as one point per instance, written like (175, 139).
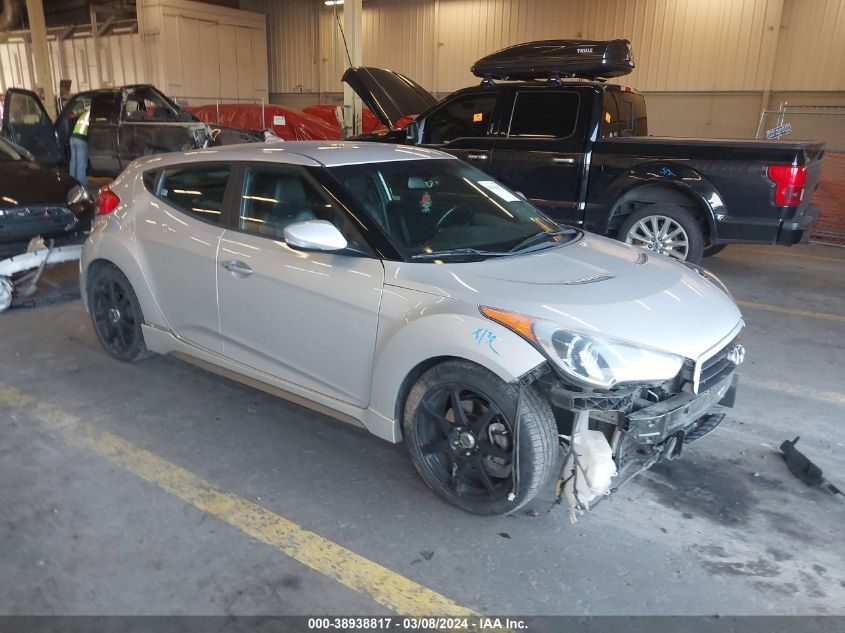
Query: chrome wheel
(660, 234)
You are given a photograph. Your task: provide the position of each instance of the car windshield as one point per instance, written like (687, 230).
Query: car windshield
(444, 208)
(8, 153)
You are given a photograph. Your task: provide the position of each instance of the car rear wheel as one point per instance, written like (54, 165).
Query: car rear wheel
(459, 424)
(665, 229)
(116, 314)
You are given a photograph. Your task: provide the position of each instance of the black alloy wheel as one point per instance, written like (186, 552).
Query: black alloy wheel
(116, 314)
(460, 425)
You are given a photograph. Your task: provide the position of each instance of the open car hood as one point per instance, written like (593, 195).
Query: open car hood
(388, 94)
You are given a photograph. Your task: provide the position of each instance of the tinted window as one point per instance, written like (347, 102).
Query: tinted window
(468, 115)
(196, 190)
(102, 106)
(544, 113)
(275, 198)
(624, 115)
(78, 106)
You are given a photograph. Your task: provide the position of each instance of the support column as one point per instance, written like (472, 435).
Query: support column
(41, 53)
(352, 20)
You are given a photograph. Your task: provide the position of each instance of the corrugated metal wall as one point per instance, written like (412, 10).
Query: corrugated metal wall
(679, 45)
(811, 48)
(120, 61)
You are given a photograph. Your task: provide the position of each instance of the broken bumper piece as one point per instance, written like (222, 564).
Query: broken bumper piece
(657, 422)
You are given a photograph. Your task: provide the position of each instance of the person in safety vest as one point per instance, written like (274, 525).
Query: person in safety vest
(79, 148)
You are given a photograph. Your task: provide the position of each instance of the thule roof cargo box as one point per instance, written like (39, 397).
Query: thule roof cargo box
(557, 59)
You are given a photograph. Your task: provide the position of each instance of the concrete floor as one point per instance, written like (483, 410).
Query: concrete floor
(725, 530)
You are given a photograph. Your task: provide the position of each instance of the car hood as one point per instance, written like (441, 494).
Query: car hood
(591, 285)
(24, 182)
(388, 94)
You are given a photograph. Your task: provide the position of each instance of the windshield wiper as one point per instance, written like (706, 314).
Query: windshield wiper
(460, 252)
(537, 237)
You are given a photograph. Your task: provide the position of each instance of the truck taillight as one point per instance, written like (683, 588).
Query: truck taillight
(107, 200)
(789, 183)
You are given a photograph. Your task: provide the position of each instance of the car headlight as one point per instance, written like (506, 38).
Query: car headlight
(77, 194)
(713, 279)
(590, 360)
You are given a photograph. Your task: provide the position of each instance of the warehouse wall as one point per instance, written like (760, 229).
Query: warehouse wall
(710, 64)
(113, 61)
(195, 50)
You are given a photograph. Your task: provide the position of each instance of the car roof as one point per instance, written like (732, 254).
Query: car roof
(313, 153)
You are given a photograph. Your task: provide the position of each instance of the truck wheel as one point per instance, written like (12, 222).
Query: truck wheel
(116, 314)
(665, 229)
(459, 420)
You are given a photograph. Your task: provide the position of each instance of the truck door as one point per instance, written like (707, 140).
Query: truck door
(102, 132)
(150, 125)
(26, 122)
(464, 126)
(540, 151)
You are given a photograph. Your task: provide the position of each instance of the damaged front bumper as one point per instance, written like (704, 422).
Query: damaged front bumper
(642, 433)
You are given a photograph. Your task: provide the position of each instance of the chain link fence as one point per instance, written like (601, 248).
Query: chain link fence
(825, 123)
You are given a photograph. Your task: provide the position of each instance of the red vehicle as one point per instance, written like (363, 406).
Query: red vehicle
(288, 124)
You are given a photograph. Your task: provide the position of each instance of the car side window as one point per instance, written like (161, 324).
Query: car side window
(275, 198)
(142, 104)
(102, 106)
(467, 116)
(544, 114)
(198, 190)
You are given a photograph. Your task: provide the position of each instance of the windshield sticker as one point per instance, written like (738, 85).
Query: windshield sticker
(483, 335)
(478, 117)
(499, 190)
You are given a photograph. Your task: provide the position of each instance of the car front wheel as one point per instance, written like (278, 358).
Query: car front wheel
(459, 423)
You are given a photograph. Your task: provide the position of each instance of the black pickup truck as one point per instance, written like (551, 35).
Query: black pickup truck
(578, 147)
(126, 122)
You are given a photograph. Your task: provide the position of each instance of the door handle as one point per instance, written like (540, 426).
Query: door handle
(563, 160)
(237, 268)
(477, 156)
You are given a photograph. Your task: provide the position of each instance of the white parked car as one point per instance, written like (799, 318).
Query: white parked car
(402, 290)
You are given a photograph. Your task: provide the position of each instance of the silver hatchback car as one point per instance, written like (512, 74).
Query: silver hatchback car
(399, 289)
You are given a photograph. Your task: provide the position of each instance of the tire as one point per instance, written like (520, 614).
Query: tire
(637, 227)
(116, 314)
(470, 464)
(714, 250)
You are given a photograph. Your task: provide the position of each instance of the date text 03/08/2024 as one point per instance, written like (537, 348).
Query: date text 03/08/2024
(469, 624)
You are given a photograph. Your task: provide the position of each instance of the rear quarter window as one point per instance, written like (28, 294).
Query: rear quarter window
(544, 114)
(624, 115)
(198, 190)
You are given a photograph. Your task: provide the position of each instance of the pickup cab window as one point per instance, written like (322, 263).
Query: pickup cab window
(544, 114)
(102, 106)
(624, 115)
(466, 116)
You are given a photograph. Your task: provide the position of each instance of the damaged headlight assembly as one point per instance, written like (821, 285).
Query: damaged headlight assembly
(590, 360)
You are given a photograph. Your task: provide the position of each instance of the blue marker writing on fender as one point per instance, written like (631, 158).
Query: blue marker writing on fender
(484, 335)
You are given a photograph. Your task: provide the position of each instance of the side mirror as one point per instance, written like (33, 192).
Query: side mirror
(412, 131)
(314, 235)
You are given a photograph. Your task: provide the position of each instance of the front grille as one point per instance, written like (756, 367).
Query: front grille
(711, 370)
(29, 221)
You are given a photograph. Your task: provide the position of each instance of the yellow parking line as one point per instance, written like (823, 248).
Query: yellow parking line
(386, 587)
(795, 390)
(794, 311)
